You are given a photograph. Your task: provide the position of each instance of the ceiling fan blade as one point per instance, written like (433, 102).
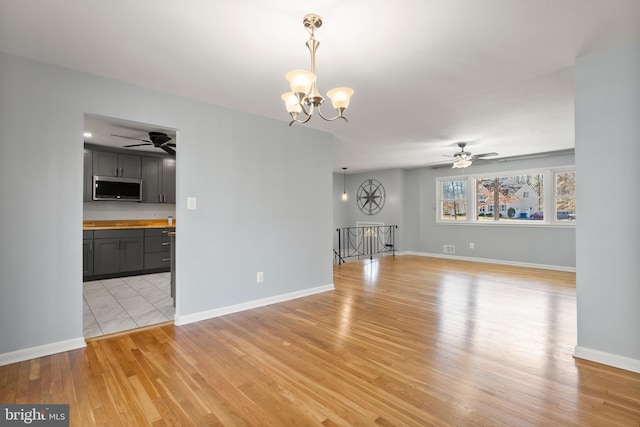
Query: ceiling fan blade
(479, 156)
(171, 144)
(130, 137)
(136, 145)
(168, 150)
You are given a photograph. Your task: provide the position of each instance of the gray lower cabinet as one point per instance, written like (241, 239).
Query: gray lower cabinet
(117, 251)
(87, 253)
(157, 249)
(122, 252)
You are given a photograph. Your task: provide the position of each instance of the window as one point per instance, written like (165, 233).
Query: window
(510, 198)
(453, 204)
(565, 194)
(517, 196)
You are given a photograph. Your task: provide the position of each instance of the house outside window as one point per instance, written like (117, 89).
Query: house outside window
(517, 196)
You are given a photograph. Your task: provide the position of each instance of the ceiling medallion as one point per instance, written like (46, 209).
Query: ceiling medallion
(371, 197)
(304, 96)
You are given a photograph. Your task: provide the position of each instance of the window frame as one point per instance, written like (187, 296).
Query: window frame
(549, 199)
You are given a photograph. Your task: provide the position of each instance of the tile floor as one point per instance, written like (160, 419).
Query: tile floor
(115, 305)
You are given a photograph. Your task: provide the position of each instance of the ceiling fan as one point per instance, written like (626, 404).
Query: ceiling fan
(463, 159)
(157, 139)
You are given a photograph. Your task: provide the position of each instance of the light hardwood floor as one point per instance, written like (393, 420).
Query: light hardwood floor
(404, 341)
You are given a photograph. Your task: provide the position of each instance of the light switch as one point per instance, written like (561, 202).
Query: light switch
(191, 203)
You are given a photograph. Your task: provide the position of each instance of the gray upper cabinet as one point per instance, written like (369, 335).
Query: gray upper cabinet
(107, 163)
(158, 180)
(87, 194)
(169, 180)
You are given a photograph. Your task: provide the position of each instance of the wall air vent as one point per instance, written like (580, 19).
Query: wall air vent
(448, 249)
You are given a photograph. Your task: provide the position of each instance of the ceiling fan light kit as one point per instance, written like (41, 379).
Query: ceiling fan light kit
(463, 159)
(461, 164)
(304, 96)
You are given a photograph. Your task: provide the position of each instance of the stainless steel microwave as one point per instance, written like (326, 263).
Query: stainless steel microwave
(114, 188)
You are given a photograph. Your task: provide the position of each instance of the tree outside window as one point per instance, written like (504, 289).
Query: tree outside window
(565, 186)
(453, 200)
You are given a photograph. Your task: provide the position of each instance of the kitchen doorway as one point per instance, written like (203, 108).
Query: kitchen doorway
(127, 259)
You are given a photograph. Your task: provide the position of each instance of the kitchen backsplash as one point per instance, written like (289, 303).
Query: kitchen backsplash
(104, 210)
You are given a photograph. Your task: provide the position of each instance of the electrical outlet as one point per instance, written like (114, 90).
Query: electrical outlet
(471, 246)
(260, 277)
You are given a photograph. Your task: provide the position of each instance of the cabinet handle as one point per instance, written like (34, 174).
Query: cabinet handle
(165, 259)
(91, 245)
(166, 243)
(165, 231)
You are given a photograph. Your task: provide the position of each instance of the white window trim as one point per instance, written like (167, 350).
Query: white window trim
(549, 199)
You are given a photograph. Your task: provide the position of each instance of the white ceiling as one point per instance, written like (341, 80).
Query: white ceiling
(426, 73)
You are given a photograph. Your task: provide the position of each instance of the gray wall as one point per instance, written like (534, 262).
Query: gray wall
(607, 152)
(263, 199)
(347, 214)
(541, 245)
(411, 198)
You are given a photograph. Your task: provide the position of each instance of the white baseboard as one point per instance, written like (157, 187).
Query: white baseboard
(209, 314)
(496, 261)
(609, 359)
(41, 350)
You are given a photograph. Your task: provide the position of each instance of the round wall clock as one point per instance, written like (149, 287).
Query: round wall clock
(370, 197)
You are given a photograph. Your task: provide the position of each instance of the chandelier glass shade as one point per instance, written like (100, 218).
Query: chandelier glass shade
(304, 99)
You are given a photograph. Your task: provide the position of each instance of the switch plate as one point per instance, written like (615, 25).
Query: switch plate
(260, 277)
(471, 246)
(191, 203)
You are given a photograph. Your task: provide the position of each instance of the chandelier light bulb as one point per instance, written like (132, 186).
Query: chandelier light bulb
(340, 97)
(300, 80)
(291, 102)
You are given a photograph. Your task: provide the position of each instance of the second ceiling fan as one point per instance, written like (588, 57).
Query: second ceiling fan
(157, 139)
(463, 159)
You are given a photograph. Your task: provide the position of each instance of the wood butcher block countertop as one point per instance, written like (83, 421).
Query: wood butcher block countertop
(127, 223)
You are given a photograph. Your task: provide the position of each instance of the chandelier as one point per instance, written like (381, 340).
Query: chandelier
(304, 98)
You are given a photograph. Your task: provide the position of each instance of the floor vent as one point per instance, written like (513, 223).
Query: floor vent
(448, 249)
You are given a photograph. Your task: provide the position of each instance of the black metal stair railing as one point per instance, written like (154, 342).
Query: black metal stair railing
(358, 242)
